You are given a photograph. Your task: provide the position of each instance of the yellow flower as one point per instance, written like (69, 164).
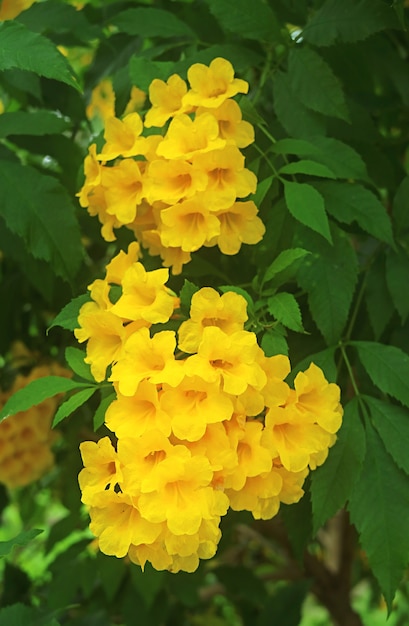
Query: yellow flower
(188, 225)
(186, 137)
(136, 100)
(9, 9)
(254, 458)
(122, 137)
(259, 495)
(101, 468)
(318, 398)
(102, 102)
(211, 86)
(228, 179)
(239, 224)
(232, 127)
(209, 308)
(291, 490)
(147, 357)
(123, 185)
(116, 268)
(92, 171)
(170, 181)
(166, 99)
(172, 256)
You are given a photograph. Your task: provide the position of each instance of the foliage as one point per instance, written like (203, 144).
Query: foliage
(327, 284)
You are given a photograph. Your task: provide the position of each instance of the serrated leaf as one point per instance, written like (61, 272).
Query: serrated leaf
(387, 367)
(99, 415)
(307, 206)
(315, 83)
(35, 392)
(32, 123)
(75, 359)
(285, 260)
(21, 48)
(72, 404)
(284, 307)
(332, 482)
(305, 166)
(38, 209)
(252, 19)
(392, 423)
(338, 156)
(329, 276)
(348, 21)
(68, 316)
(378, 300)
(21, 539)
(350, 203)
(397, 272)
(151, 22)
(59, 17)
(142, 71)
(273, 342)
(378, 507)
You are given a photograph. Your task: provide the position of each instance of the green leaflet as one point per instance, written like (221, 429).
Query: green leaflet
(286, 261)
(151, 22)
(348, 21)
(284, 307)
(143, 71)
(20, 540)
(99, 415)
(306, 166)
(75, 359)
(21, 48)
(307, 206)
(329, 276)
(68, 316)
(397, 272)
(21, 614)
(387, 366)
(253, 19)
(378, 300)
(59, 17)
(315, 84)
(400, 207)
(332, 482)
(186, 294)
(38, 209)
(73, 403)
(274, 342)
(325, 359)
(32, 123)
(378, 506)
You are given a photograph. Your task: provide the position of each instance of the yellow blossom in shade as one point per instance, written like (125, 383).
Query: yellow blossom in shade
(239, 224)
(259, 494)
(291, 490)
(318, 398)
(194, 404)
(186, 137)
(188, 225)
(123, 185)
(144, 295)
(122, 137)
(132, 416)
(136, 100)
(228, 179)
(166, 99)
(227, 359)
(209, 308)
(97, 205)
(172, 256)
(147, 357)
(92, 171)
(170, 181)
(118, 265)
(318, 458)
(101, 468)
(9, 9)
(179, 492)
(211, 86)
(254, 458)
(154, 553)
(232, 127)
(102, 102)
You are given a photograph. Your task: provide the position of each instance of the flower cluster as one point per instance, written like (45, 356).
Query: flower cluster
(203, 420)
(26, 437)
(184, 186)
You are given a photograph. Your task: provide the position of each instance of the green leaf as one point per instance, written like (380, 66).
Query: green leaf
(38, 209)
(22, 615)
(387, 367)
(339, 157)
(262, 190)
(72, 404)
(99, 415)
(186, 293)
(75, 359)
(21, 539)
(32, 123)
(252, 19)
(59, 17)
(350, 203)
(151, 22)
(148, 583)
(325, 359)
(284, 307)
(377, 296)
(392, 423)
(378, 507)
(298, 522)
(142, 71)
(286, 605)
(305, 166)
(273, 342)
(307, 206)
(287, 259)
(35, 392)
(21, 48)
(400, 207)
(68, 316)
(397, 272)
(332, 482)
(315, 83)
(329, 276)
(348, 21)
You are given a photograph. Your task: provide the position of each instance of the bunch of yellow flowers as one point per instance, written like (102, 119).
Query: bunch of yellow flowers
(203, 420)
(184, 186)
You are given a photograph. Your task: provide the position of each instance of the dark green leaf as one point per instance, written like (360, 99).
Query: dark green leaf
(304, 166)
(151, 22)
(72, 404)
(392, 423)
(68, 317)
(378, 506)
(285, 260)
(397, 272)
(252, 19)
(32, 123)
(186, 294)
(315, 83)
(274, 342)
(284, 307)
(59, 17)
(332, 482)
(378, 300)
(324, 359)
(75, 359)
(38, 209)
(348, 21)
(400, 207)
(307, 206)
(298, 522)
(147, 582)
(21, 539)
(354, 203)
(35, 392)
(22, 615)
(21, 48)
(285, 606)
(387, 367)
(143, 71)
(99, 415)
(239, 55)
(329, 276)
